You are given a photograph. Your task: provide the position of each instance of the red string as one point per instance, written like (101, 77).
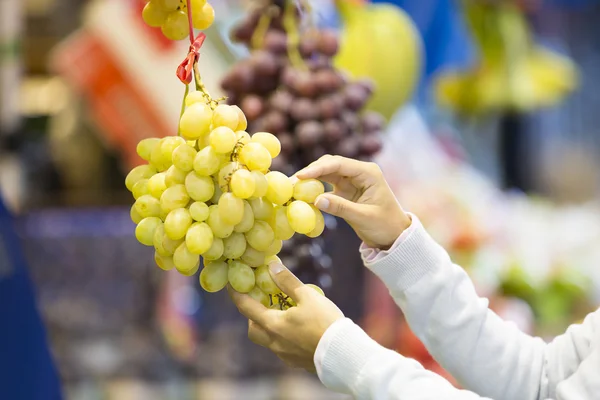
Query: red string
(185, 71)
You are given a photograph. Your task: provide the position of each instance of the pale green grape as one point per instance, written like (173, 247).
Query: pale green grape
(275, 247)
(279, 189)
(216, 250)
(217, 196)
(185, 261)
(226, 172)
(137, 174)
(242, 137)
(301, 217)
(308, 190)
(169, 245)
(135, 216)
(199, 188)
(153, 15)
(144, 231)
(174, 197)
(177, 223)
(203, 18)
(157, 241)
(199, 238)
(262, 209)
(141, 188)
(243, 122)
(224, 159)
(235, 246)
(199, 211)
(255, 156)
(195, 97)
(280, 224)
(214, 276)
(222, 140)
(269, 141)
(253, 257)
(319, 223)
(316, 288)
(176, 26)
(225, 115)
(231, 209)
(264, 280)
(260, 236)
(207, 162)
(242, 183)
(145, 146)
(157, 185)
(183, 157)
(241, 277)
(147, 206)
(174, 176)
(260, 184)
(195, 121)
(247, 221)
(162, 154)
(164, 262)
(260, 296)
(168, 5)
(219, 227)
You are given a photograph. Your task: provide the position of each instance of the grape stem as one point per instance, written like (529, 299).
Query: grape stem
(291, 27)
(185, 94)
(202, 88)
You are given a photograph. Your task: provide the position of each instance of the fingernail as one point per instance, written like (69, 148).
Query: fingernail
(322, 203)
(276, 267)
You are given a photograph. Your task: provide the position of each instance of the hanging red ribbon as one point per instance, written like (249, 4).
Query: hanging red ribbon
(185, 71)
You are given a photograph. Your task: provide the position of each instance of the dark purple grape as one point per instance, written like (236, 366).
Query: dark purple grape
(276, 42)
(253, 106)
(264, 85)
(356, 97)
(370, 145)
(289, 76)
(242, 32)
(327, 81)
(317, 152)
(281, 100)
(331, 106)
(239, 78)
(351, 120)
(367, 84)
(305, 85)
(334, 130)
(372, 122)
(287, 142)
(264, 63)
(304, 109)
(275, 121)
(309, 133)
(308, 45)
(328, 43)
(348, 147)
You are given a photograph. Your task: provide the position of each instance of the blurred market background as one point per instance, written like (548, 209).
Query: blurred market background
(491, 138)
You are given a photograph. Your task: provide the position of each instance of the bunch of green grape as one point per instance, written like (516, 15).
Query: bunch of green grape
(209, 194)
(172, 18)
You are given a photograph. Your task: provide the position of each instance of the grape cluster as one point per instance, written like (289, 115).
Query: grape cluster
(171, 16)
(210, 193)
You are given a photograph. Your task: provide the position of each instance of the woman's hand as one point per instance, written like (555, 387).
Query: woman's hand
(361, 196)
(293, 334)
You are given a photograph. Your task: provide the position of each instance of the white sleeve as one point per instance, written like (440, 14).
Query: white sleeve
(484, 353)
(349, 361)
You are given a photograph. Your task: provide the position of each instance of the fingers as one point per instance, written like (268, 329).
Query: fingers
(251, 309)
(288, 282)
(258, 335)
(340, 207)
(332, 165)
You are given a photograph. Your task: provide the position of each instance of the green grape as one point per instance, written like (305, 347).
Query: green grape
(164, 262)
(319, 223)
(169, 245)
(177, 223)
(199, 211)
(203, 18)
(176, 26)
(162, 154)
(261, 236)
(203, 142)
(217, 196)
(153, 15)
(157, 185)
(219, 227)
(144, 231)
(280, 224)
(275, 247)
(308, 190)
(137, 174)
(231, 209)
(242, 121)
(260, 296)
(157, 241)
(214, 276)
(224, 159)
(174, 176)
(260, 184)
(301, 217)
(262, 209)
(253, 257)
(264, 280)
(168, 5)
(206, 162)
(222, 140)
(199, 188)
(316, 288)
(242, 183)
(269, 142)
(185, 261)
(199, 238)
(195, 97)
(216, 250)
(235, 246)
(183, 157)
(226, 172)
(241, 277)
(247, 221)
(145, 146)
(254, 156)
(140, 188)
(242, 137)
(174, 197)
(279, 189)
(225, 115)
(135, 216)
(195, 121)
(147, 206)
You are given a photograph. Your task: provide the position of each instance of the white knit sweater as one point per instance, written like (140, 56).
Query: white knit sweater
(488, 356)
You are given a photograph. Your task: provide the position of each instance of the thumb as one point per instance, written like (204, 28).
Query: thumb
(339, 207)
(287, 281)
